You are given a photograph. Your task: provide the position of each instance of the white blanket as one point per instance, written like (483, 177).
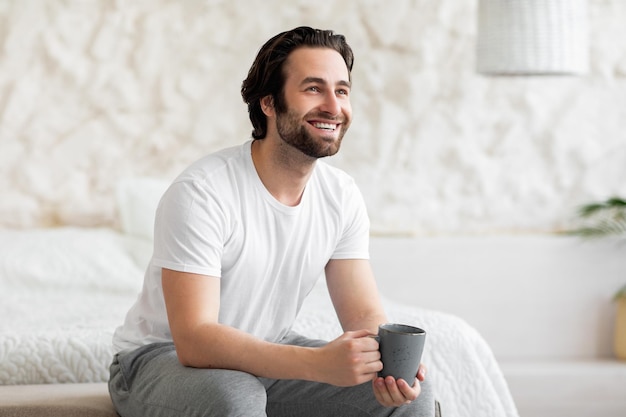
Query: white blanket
(467, 379)
(63, 292)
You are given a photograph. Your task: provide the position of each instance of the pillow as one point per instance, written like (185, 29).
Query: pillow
(69, 258)
(137, 200)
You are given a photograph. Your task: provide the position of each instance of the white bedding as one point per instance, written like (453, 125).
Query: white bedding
(63, 291)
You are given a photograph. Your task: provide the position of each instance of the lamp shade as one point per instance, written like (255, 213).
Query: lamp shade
(527, 37)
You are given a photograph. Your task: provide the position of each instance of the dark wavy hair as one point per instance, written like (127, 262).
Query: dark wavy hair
(266, 76)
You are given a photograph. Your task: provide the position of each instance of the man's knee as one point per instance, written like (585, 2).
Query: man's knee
(166, 387)
(230, 393)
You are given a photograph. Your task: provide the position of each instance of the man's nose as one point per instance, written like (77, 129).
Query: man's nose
(331, 104)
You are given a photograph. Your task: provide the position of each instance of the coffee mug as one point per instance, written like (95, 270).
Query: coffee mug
(401, 348)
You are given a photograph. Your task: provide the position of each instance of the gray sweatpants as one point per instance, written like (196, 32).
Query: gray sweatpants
(149, 381)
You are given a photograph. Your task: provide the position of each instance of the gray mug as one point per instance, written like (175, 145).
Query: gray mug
(401, 348)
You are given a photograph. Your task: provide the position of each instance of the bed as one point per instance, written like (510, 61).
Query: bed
(64, 290)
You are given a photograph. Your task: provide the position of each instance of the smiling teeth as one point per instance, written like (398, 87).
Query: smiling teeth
(327, 126)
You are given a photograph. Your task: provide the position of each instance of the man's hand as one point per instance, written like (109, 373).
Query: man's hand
(351, 359)
(392, 393)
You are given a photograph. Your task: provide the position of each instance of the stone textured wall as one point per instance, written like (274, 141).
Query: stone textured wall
(93, 92)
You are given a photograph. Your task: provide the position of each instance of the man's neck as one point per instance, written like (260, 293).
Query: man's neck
(283, 170)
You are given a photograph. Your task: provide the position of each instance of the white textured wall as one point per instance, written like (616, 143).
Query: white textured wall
(92, 92)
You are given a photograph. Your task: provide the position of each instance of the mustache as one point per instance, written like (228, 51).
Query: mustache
(325, 116)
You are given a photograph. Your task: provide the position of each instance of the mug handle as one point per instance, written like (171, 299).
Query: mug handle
(374, 336)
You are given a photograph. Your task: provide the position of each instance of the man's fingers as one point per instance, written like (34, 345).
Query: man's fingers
(421, 372)
(392, 393)
(381, 393)
(409, 392)
(364, 338)
(356, 334)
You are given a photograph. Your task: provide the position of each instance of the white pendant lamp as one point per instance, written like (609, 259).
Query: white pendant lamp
(532, 37)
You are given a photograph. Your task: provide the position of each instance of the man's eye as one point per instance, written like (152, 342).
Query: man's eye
(314, 89)
(343, 92)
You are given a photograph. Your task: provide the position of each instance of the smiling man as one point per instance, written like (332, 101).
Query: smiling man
(241, 237)
(327, 105)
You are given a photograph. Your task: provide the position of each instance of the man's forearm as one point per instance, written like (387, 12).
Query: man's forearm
(222, 347)
(351, 359)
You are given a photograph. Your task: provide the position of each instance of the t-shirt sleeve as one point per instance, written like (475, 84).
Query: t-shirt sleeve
(189, 230)
(354, 240)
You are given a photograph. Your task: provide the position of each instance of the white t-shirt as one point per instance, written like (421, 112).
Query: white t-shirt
(218, 219)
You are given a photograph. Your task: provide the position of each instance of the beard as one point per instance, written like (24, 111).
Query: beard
(293, 133)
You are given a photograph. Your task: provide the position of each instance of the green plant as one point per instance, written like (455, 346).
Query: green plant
(604, 219)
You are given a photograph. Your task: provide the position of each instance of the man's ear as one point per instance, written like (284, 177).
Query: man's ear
(267, 105)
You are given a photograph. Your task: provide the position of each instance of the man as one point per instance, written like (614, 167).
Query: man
(241, 236)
